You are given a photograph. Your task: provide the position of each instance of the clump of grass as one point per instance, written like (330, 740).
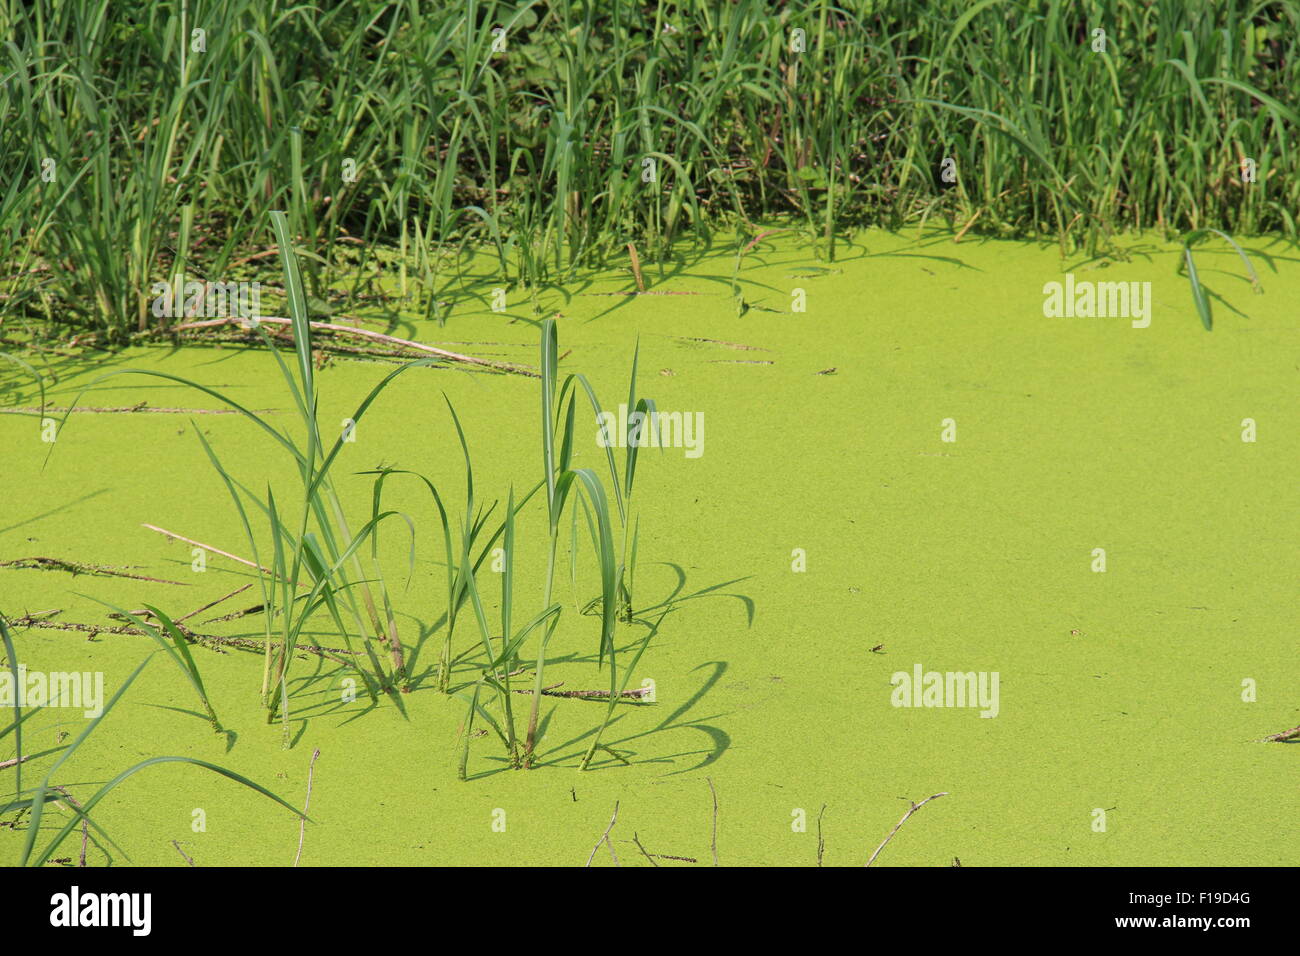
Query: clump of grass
(467, 545)
(315, 565)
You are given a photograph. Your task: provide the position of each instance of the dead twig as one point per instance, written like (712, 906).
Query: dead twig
(636, 268)
(183, 854)
(821, 844)
(170, 535)
(709, 780)
(302, 823)
(969, 222)
(604, 838)
(914, 808)
(651, 292)
(637, 841)
(759, 238)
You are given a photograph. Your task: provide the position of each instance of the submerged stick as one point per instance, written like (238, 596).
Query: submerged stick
(245, 643)
(235, 615)
(127, 409)
(214, 603)
(1291, 734)
(915, 807)
(77, 567)
(365, 334)
(636, 694)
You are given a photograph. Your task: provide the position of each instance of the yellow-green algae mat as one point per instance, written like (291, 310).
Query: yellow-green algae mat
(827, 539)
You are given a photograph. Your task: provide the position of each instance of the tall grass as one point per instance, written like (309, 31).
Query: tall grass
(600, 123)
(315, 558)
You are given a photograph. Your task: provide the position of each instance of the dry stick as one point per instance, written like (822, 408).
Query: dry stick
(13, 762)
(970, 222)
(302, 823)
(709, 780)
(214, 603)
(636, 268)
(38, 615)
(206, 547)
(759, 238)
(199, 544)
(604, 838)
(367, 334)
(183, 853)
(915, 807)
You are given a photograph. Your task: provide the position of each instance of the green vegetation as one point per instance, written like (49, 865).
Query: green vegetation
(398, 136)
(316, 566)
